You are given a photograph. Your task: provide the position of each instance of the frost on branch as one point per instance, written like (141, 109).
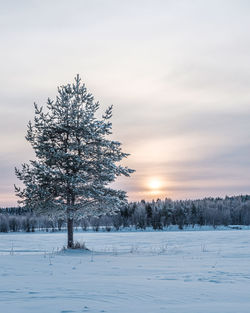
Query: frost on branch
(75, 161)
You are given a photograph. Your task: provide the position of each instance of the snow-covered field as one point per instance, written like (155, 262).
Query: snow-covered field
(149, 272)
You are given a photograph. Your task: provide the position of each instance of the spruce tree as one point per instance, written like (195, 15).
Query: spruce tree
(75, 161)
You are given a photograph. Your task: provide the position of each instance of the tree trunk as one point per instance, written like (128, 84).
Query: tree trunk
(70, 232)
(69, 223)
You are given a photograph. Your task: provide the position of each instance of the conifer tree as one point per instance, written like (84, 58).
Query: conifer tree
(75, 161)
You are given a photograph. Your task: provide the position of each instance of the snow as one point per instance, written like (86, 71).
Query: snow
(148, 272)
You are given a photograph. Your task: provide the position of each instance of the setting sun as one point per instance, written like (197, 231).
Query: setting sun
(155, 184)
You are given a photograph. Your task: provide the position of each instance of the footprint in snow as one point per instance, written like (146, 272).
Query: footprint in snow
(85, 309)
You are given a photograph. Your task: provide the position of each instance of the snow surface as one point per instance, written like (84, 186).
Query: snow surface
(149, 272)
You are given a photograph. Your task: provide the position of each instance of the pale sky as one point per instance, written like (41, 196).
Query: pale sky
(177, 73)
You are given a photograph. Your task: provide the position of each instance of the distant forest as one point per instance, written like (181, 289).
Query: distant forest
(155, 214)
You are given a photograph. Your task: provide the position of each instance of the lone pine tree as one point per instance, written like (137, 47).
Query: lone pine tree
(75, 161)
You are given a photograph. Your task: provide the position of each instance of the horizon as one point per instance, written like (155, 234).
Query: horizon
(162, 200)
(177, 74)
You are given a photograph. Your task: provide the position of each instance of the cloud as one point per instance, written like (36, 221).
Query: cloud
(177, 73)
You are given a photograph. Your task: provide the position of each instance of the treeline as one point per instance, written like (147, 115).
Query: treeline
(156, 214)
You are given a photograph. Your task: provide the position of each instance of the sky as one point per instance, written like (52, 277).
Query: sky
(177, 73)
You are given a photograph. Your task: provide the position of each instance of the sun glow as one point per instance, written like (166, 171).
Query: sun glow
(154, 184)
